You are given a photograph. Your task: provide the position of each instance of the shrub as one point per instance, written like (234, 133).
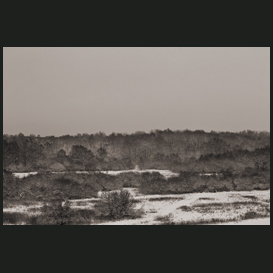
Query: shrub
(250, 215)
(56, 214)
(116, 205)
(186, 208)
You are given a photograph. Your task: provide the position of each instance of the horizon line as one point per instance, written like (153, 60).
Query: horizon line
(141, 132)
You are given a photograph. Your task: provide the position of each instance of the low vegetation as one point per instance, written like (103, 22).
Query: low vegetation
(16, 218)
(165, 219)
(246, 216)
(51, 186)
(117, 205)
(111, 206)
(190, 182)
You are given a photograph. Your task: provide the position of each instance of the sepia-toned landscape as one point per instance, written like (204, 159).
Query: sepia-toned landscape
(124, 172)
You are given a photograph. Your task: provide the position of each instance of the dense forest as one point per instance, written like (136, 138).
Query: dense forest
(174, 150)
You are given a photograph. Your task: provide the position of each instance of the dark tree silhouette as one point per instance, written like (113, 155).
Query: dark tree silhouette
(81, 154)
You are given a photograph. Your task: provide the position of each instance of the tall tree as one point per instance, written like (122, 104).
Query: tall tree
(81, 154)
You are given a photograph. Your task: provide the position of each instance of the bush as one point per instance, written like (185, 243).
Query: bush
(250, 215)
(56, 214)
(116, 205)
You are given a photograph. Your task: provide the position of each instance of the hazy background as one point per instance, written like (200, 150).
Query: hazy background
(58, 91)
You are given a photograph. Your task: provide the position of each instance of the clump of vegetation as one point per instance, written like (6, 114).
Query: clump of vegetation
(57, 214)
(117, 205)
(83, 216)
(252, 197)
(186, 208)
(18, 218)
(255, 214)
(53, 214)
(250, 215)
(205, 221)
(190, 182)
(166, 219)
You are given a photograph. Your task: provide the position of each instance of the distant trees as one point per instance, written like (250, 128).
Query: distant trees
(81, 154)
(163, 148)
(262, 161)
(61, 155)
(101, 153)
(10, 153)
(21, 149)
(21, 142)
(34, 151)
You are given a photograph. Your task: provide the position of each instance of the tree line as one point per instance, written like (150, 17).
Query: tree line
(158, 149)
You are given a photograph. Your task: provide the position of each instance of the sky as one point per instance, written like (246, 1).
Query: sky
(59, 91)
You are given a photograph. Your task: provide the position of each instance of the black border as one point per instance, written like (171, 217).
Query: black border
(228, 242)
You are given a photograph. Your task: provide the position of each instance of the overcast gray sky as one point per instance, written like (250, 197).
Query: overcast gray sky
(58, 91)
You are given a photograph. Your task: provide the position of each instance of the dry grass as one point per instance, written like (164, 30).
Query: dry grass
(78, 217)
(202, 221)
(165, 219)
(245, 216)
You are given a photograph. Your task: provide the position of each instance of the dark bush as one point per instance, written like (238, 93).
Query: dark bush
(116, 205)
(56, 214)
(250, 215)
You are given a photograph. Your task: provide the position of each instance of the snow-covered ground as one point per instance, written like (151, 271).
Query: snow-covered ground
(22, 175)
(165, 173)
(22, 208)
(156, 206)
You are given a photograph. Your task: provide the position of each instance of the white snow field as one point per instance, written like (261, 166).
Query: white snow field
(172, 204)
(22, 175)
(165, 173)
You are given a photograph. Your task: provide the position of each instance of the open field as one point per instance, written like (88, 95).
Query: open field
(245, 207)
